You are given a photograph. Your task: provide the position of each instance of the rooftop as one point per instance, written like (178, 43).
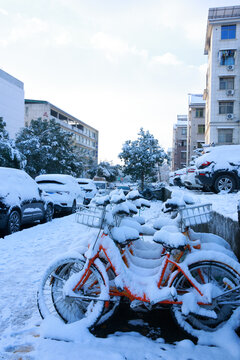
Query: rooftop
(196, 99)
(11, 79)
(32, 101)
(220, 15)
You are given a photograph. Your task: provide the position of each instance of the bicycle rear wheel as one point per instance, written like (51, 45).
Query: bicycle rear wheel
(52, 301)
(223, 278)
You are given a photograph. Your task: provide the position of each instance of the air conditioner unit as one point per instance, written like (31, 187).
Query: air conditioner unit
(230, 67)
(229, 116)
(230, 92)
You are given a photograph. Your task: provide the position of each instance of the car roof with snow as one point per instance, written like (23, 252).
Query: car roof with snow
(223, 154)
(61, 178)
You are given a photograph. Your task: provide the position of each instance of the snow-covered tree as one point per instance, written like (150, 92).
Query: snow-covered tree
(48, 149)
(142, 156)
(9, 155)
(105, 169)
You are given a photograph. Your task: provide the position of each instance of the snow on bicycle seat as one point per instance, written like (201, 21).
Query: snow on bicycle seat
(123, 235)
(142, 229)
(170, 238)
(120, 209)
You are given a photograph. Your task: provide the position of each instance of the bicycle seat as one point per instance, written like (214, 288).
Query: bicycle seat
(123, 235)
(170, 238)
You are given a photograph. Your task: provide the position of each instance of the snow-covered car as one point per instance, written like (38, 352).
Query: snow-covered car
(179, 177)
(63, 189)
(190, 179)
(88, 189)
(219, 169)
(21, 201)
(171, 177)
(101, 186)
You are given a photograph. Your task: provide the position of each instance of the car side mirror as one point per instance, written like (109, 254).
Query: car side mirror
(40, 191)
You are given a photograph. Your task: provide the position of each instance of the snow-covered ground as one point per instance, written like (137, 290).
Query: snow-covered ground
(24, 257)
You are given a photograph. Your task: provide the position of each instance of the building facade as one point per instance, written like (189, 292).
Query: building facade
(179, 147)
(196, 124)
(11, 103)
(222, 93)
(85, 137)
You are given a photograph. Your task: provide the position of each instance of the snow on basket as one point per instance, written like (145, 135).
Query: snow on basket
(90, 215)
(195, 215)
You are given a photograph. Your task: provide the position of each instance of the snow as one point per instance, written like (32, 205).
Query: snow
(24, 258)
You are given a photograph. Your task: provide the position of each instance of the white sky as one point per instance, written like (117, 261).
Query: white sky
(117, 65)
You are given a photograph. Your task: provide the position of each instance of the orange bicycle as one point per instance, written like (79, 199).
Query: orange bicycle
(201, 287)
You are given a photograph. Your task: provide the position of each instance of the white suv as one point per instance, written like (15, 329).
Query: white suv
(63, 189)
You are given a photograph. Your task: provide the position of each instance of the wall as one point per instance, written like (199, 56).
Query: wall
(11, 103)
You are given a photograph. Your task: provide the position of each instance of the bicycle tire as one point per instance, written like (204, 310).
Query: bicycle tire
(50, 299)
(221, 276)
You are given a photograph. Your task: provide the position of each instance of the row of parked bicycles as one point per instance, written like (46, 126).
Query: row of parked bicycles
(159, 264)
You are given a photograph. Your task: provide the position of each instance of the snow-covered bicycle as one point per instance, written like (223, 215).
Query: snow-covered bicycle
(201, 287)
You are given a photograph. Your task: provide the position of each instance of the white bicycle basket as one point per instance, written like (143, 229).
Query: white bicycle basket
(90, 215)
(195, 215)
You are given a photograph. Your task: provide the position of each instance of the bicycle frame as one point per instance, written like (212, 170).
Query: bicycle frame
(127, 292)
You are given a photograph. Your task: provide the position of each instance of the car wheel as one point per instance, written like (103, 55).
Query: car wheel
(74, 207)
(14, 222)
(225, 183)
(48, 214)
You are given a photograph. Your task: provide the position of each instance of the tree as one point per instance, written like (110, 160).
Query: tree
(48, 149)
(142, 156)
(9, 155)
(105, 169)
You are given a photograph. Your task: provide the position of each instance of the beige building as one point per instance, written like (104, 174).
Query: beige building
(196, 124)
(85, 136)
(222, 93)
(179, 147)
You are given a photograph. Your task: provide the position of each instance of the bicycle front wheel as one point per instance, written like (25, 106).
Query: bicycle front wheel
(51, 298)
(222, 279)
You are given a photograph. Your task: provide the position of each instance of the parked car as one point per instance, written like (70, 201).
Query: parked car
(88, 189)
(21, 201)
(190, 179)
(179, 177)
(63, 189)
(219, 168)
(124, 188)
(101, 186)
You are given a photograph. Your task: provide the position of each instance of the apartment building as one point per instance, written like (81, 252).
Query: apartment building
(11, 103)
(196, 124)
(179, 146)
(85, 137)
(222, 93)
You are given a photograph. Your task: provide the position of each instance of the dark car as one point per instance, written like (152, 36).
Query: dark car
(219, 169)
(21, 201)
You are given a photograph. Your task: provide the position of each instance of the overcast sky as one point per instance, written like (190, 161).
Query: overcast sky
(117, 65)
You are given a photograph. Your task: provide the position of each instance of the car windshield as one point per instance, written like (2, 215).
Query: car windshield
(101, 186)
(49, 182)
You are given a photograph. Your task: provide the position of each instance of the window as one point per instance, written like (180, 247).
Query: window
(62, 117)
(199, 113)
(225, 107)
(80, 127)
(54, 113)
(228, 32)
(183, 155)
(227, 57)
(226, 83)
(201, 129)
(184, 131)
(183, 143)
(225, 136)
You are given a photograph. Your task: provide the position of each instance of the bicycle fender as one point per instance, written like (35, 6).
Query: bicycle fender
(101, 268)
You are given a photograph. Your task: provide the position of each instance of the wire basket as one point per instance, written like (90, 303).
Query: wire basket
(195, 215)
(90, 215)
